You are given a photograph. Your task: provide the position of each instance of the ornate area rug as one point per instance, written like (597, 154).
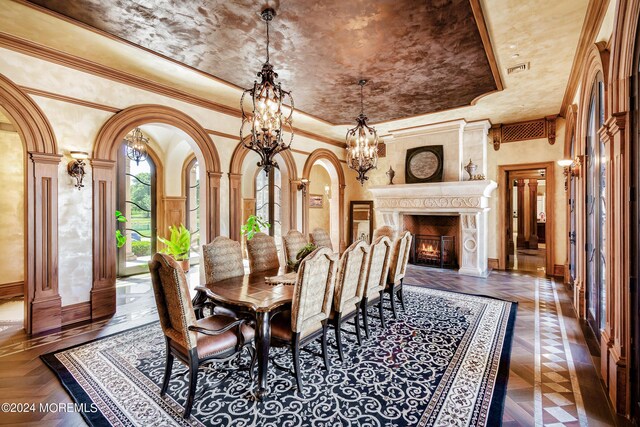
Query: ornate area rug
(445, 361)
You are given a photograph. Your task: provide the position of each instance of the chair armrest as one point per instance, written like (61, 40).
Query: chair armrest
(214, 332)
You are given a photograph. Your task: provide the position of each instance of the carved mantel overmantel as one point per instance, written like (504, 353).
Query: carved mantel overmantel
(468, 199)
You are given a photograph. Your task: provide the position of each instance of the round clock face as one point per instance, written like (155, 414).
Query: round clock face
(423, 165)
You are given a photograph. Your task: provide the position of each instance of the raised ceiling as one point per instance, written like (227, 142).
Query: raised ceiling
(421, 57)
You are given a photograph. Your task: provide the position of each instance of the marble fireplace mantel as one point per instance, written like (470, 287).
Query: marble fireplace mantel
(467, 199)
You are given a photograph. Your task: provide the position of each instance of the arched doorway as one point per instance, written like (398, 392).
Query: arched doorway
(325, 160)
(41, 298)
(243, 177)
(109, 140)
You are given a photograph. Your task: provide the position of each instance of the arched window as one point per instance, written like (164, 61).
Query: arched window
(595, 176)
(136, 200)
(192, 192)
(269, 200)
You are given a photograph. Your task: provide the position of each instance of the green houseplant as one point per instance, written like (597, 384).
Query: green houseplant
(302, 254)
(121, 239)
(178, 245)
(253, 225)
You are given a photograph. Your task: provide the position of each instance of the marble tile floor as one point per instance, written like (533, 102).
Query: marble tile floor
(552, 376)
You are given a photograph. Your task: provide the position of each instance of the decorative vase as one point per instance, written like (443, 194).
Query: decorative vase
(391, 174)
(471, 169)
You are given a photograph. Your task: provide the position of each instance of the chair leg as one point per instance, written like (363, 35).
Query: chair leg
(295, 350)
(401, 295)
(168, 368)
(365, 319)
(357, 320)
(381, 309)
(254, 359)
(392, 297)
(193, 381)
(337, 325)
(324, 345)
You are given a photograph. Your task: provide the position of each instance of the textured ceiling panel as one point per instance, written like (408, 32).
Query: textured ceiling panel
(421, 56)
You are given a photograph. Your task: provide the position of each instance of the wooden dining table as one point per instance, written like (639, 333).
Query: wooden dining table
(251, 294)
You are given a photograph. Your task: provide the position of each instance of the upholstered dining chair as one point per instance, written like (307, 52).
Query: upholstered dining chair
(397, 269)
(194, 342)
(310, 308)
(385, 230)
(263, 254)
(349, 290)
(377, 271)
(292, 242)
(320, 238)
(222, 260)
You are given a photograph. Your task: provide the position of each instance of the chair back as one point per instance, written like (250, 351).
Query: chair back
(352, 272)
(222, 259)
(313, 292)
(378, 266)
(293, 243)
(263, 254)
(400, 257)
(320, 238)
(171, 290)
(385, 230)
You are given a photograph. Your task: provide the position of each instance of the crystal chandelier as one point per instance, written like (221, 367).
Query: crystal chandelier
(262, 129)
(362, 143)
(137, 145)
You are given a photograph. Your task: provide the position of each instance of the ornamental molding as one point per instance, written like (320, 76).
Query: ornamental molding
(430, 202)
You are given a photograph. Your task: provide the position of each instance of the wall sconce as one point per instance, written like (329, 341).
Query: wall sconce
(570, 168)
(327, 191)
(302, 186)
(75, 168)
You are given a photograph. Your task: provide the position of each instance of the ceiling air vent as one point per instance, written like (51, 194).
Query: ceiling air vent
(518, 68)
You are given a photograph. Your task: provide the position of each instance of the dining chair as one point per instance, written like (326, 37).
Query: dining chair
(310, 308)
(385, 230)
(293, 242)
(320, 238)
(263, 254)
(217, 338)
(349, 290)
(397, 269)
(377, 270)
(222, 260)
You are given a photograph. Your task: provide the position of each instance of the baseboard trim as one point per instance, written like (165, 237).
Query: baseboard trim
(13, 289)
(558, 271)
(493, 263)
(75, 313)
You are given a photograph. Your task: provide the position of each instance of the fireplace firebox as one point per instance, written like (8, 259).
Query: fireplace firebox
(435, 251)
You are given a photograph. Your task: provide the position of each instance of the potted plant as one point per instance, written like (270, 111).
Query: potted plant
(302, 254)
(253, 225)
(178, 245)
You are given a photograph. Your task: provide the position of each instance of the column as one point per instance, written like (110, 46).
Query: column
(520, 241)
(533, 214)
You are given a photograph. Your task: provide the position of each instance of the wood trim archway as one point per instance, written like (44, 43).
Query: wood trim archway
(504, 215)
(43, 306)
(235, 189)
(324, 154)
(111, 135)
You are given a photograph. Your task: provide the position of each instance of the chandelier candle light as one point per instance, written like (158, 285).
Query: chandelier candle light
(267, 118)
(137, 145)
(362, 143)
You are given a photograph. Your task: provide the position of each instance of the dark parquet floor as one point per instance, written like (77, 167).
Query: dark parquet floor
(542, 382)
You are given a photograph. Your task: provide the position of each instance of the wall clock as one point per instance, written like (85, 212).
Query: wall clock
(424, 164)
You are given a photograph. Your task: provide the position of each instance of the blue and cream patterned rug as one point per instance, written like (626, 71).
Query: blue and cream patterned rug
(445, 361)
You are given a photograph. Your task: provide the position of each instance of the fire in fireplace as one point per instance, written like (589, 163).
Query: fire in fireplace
(435, 251)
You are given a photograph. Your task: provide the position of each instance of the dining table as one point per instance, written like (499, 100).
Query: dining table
(256, 294)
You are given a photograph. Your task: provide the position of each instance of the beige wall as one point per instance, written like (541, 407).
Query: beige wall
(12, 207)
(319, 217)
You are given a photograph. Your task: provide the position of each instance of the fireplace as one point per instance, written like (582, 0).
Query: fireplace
(434, 251)
(435, 239)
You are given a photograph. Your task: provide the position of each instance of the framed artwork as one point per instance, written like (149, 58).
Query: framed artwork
(316, 200)
(424, 164)
(361, 223)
